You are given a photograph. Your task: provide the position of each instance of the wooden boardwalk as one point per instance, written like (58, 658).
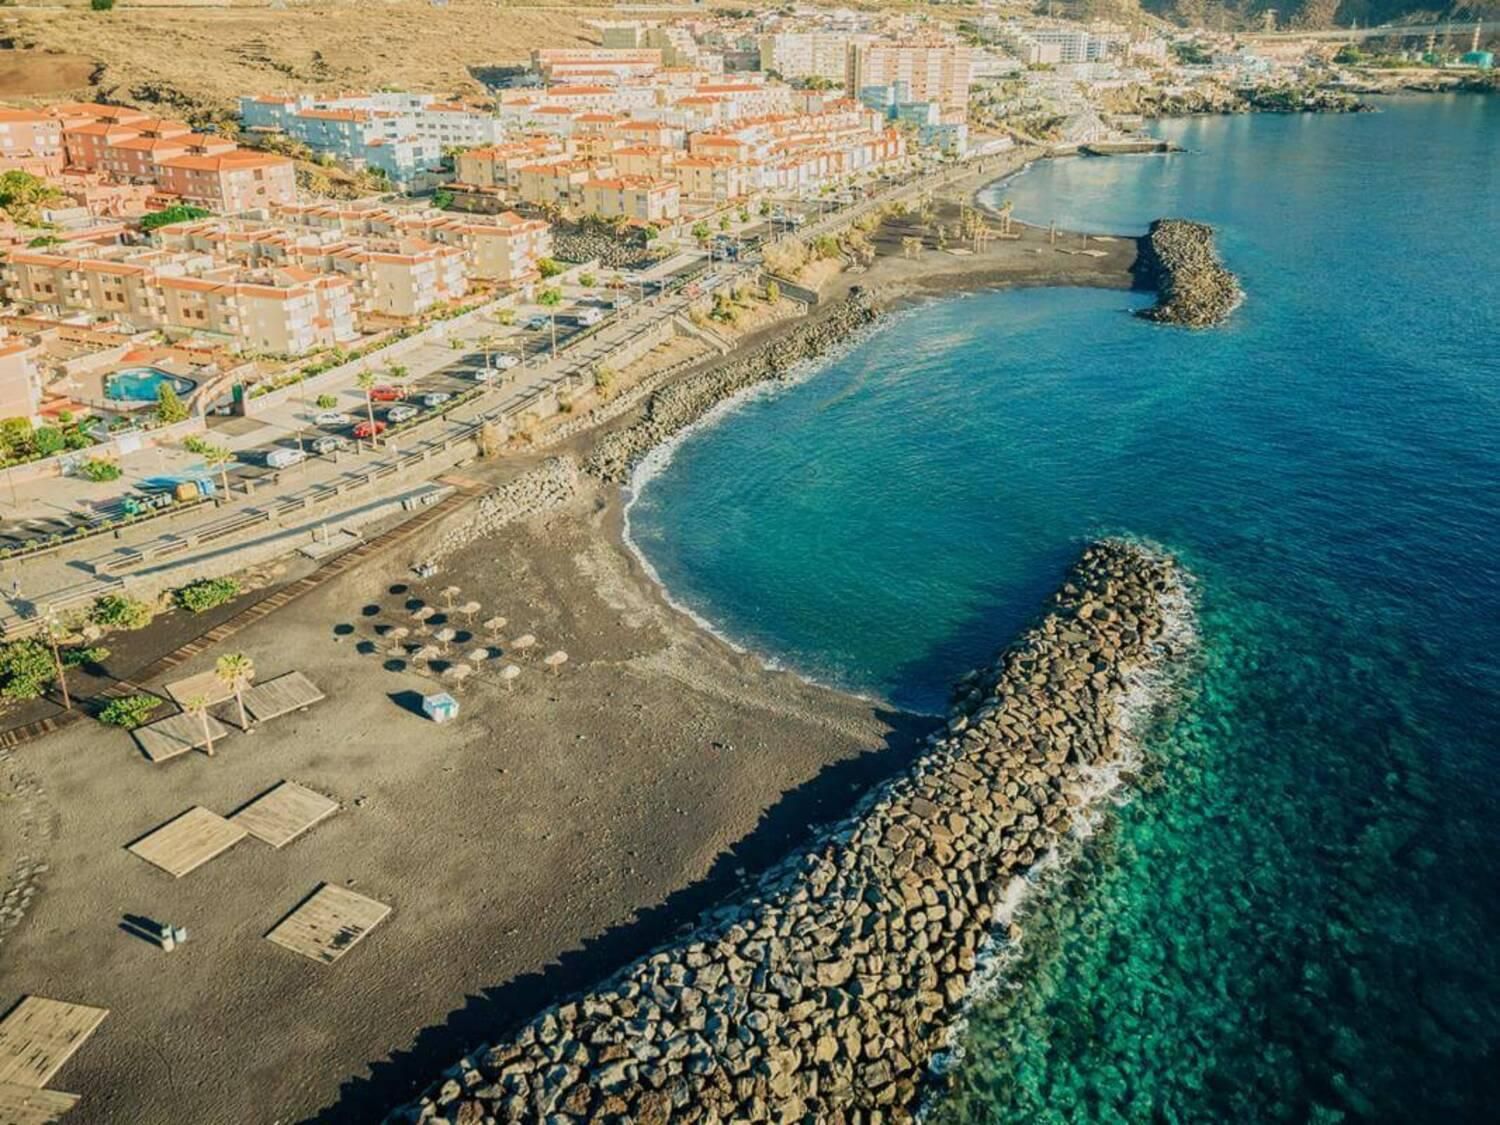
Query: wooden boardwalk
(176, 734)
(39, 1035)
(328, 923)
(281, 815)
(187, 842)
(26, 1105)
(206, 685)
(290, 692)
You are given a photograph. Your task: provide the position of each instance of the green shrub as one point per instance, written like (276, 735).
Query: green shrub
(197, 444)
(206, 593)
(327, 402)
(47, 440)
(547, 267)
(98, 470)
(116, 611)
(102, 5)
(26, 669)
(93, 654)
(177, 213)
(128, 711)
(587, 280)
(169, 405)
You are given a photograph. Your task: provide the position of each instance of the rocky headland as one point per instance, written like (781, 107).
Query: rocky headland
(828, 993)
(1178, 260)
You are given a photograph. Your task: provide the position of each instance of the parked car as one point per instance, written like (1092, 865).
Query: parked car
(435, 398)
(385, 393)
(329, 443)
(505, 361)
(485, 375)
(398, 414)
(331, 418)
(536, 323)
(620, 301)
(589, 317)
(284, 458)
(369, 429)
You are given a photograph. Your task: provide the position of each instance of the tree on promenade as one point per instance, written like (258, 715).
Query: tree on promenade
(236, 671)
(366, 381)
(549, 299)
(198, 705)
(216, 456)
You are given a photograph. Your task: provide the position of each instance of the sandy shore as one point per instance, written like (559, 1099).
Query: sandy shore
(553, 833)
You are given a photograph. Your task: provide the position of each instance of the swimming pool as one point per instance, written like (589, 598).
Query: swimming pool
(139, 384)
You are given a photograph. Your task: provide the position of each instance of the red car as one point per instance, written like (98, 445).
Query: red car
(369, 429)
(384, 393)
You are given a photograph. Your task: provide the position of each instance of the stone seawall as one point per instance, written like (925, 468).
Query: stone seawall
(1193, 288)
(826, 996)
(674, 407)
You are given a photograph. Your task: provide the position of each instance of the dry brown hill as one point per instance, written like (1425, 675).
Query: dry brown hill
(196, 60)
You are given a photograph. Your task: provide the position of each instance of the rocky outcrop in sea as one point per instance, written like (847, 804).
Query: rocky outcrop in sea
(674, 407)
(828, 994)
(1193, 288)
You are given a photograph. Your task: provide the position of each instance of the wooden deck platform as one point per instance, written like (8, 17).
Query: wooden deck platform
(176, 734)
(207, 684)
(26, 1105)
(289, 692)
(328, 923)
(39, 1035)
(281, 815)
(188, 841)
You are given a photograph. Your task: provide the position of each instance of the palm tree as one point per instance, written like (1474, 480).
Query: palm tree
(911, 247)
(366, 381)
(1005, 209)
(549, 299)
(397, 373)
(198, 705)
(235, 671)
(218, 455)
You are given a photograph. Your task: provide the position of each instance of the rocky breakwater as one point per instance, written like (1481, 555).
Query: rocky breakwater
(679, 405)
(1193, 288)
(827, 996)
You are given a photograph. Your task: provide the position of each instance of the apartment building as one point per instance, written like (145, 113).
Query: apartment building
(556, 185)
(261, 311)
(638, 198)
(21, 380)
(939, 73)
(30, 142)
(562, 64)
(712, 179)
(401, 134)
(499, 166)
(238, 180)
(504, 248)
(803, 55)
(652, 161)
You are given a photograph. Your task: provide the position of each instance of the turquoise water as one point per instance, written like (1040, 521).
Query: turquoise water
(140, 384)
(1295, 918)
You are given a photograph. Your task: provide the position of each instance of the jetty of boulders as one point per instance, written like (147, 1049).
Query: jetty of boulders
(828, 992)
(1193, 288)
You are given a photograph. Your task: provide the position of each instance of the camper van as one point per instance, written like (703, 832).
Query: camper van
(284, 458)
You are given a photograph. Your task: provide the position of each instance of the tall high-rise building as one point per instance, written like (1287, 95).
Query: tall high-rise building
(928, 72)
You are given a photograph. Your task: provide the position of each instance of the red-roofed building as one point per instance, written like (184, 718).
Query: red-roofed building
(240, 180)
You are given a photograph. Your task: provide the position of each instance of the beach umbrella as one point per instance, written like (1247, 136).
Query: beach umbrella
(445, 635)
(427, 652)
(477, 655)
(449, 593)
(524, 642)
(423, 614)
(457, 672)
(469, 609)
(494, 625)
(556, 660)
(508, 673)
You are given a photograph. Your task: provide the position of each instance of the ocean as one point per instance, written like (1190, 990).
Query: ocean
(1293, 916)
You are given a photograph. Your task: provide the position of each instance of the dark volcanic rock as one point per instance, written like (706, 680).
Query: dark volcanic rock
(1193, 288)
(679, 405)
(826, 994)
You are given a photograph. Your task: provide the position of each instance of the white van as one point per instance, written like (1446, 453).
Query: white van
(285, 458)
(589, 317)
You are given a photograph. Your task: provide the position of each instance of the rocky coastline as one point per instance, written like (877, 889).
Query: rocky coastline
(828, 994)
(1178, 260)
(678, 405)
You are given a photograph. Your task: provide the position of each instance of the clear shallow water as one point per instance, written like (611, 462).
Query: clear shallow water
(1295, 918)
